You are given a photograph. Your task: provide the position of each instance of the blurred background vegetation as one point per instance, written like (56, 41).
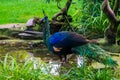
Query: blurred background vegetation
(87, 14)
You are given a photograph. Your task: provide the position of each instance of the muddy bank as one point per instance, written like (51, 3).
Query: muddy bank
(13, 25)
(20, 49)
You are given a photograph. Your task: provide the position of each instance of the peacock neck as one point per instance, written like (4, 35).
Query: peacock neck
(46, 35)
(46, 31)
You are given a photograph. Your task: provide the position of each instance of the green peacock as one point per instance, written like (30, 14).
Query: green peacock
(67, 42)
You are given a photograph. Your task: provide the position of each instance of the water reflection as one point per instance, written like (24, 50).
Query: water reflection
(80, 61)
(22, 51)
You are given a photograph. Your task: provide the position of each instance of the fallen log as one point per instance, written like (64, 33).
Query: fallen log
(30, 35)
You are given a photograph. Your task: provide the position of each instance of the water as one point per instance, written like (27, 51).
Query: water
(53, 68)
(80, 61)
(22, 51)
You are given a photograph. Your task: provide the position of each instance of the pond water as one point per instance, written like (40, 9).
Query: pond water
(22, 50)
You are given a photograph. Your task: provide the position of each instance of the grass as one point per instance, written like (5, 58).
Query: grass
(10, 69)
(19, 11)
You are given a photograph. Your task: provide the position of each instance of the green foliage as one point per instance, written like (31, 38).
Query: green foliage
(19, 11)
(89, 18)
(92, 21)
(13, 11)
(10, 69)
(89, 73)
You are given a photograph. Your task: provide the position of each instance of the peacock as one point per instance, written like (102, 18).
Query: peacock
(66, 42)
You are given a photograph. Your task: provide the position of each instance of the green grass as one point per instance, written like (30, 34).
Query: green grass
(89, 73)
(10, 69)
(19, 11)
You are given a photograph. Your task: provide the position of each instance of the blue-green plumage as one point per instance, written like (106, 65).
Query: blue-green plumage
(67, 39)
(96, 53)
(70, 42)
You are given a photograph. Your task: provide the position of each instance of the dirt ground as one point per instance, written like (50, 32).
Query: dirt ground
(12, 25)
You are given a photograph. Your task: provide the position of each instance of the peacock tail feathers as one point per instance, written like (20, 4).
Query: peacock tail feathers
(96, 53)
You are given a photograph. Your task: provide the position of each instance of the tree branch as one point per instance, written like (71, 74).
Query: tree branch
(63, 10)
(109, 12)
(111, 30)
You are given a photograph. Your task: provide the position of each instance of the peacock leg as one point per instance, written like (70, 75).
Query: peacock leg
(63, 58)
(60, 56)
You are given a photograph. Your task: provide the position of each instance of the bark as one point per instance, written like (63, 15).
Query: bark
(55, 26)
(63, 11)
(56, 23)
(111, 30)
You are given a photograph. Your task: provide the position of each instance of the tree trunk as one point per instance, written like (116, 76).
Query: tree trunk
(111, 30)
